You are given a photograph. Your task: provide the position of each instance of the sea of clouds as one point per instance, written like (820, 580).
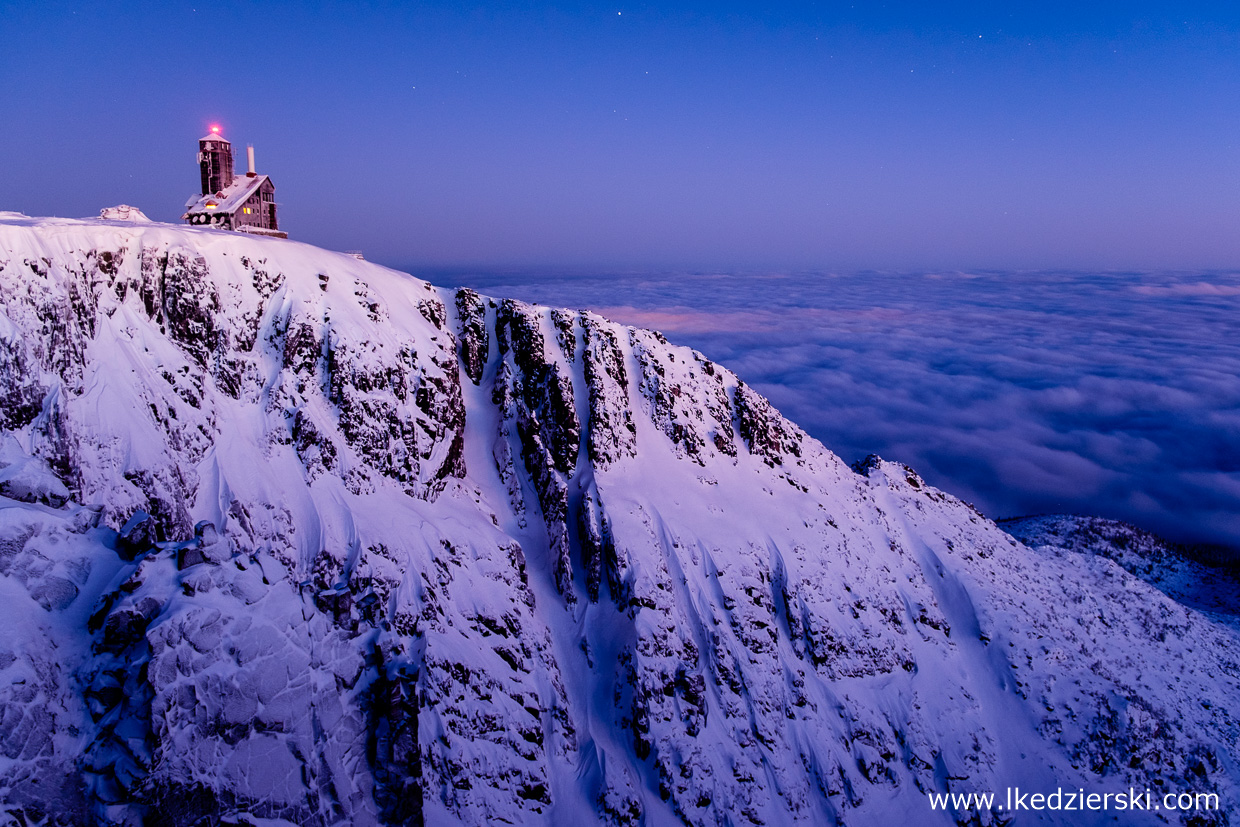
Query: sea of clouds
(1113, 394)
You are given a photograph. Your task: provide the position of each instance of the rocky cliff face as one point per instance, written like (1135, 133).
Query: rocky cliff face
(285, 535)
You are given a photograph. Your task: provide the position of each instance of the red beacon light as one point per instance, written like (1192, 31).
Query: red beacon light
(215, 129)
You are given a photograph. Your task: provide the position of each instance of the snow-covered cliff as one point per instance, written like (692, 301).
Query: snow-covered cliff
(287, 535)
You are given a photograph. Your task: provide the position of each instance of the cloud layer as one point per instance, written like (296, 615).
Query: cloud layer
(1112, 394)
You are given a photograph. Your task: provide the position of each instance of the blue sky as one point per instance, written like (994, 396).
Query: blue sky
(828, 135)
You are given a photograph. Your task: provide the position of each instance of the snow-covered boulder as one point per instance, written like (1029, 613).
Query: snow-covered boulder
(124, 212)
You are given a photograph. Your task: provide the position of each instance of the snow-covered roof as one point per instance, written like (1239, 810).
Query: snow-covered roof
(229, 199)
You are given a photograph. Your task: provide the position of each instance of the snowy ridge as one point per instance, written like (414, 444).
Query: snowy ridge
(287, 535)
(1213, 590)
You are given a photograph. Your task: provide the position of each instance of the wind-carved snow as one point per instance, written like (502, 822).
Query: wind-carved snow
(286, 535)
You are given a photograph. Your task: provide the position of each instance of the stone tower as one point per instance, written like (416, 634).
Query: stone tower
(215, 160)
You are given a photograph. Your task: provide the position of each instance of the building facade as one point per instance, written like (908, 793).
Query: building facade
(245, 203)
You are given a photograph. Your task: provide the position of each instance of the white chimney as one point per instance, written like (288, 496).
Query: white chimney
(249, 153)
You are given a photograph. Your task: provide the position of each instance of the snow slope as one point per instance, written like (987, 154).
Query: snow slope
(288, 537)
